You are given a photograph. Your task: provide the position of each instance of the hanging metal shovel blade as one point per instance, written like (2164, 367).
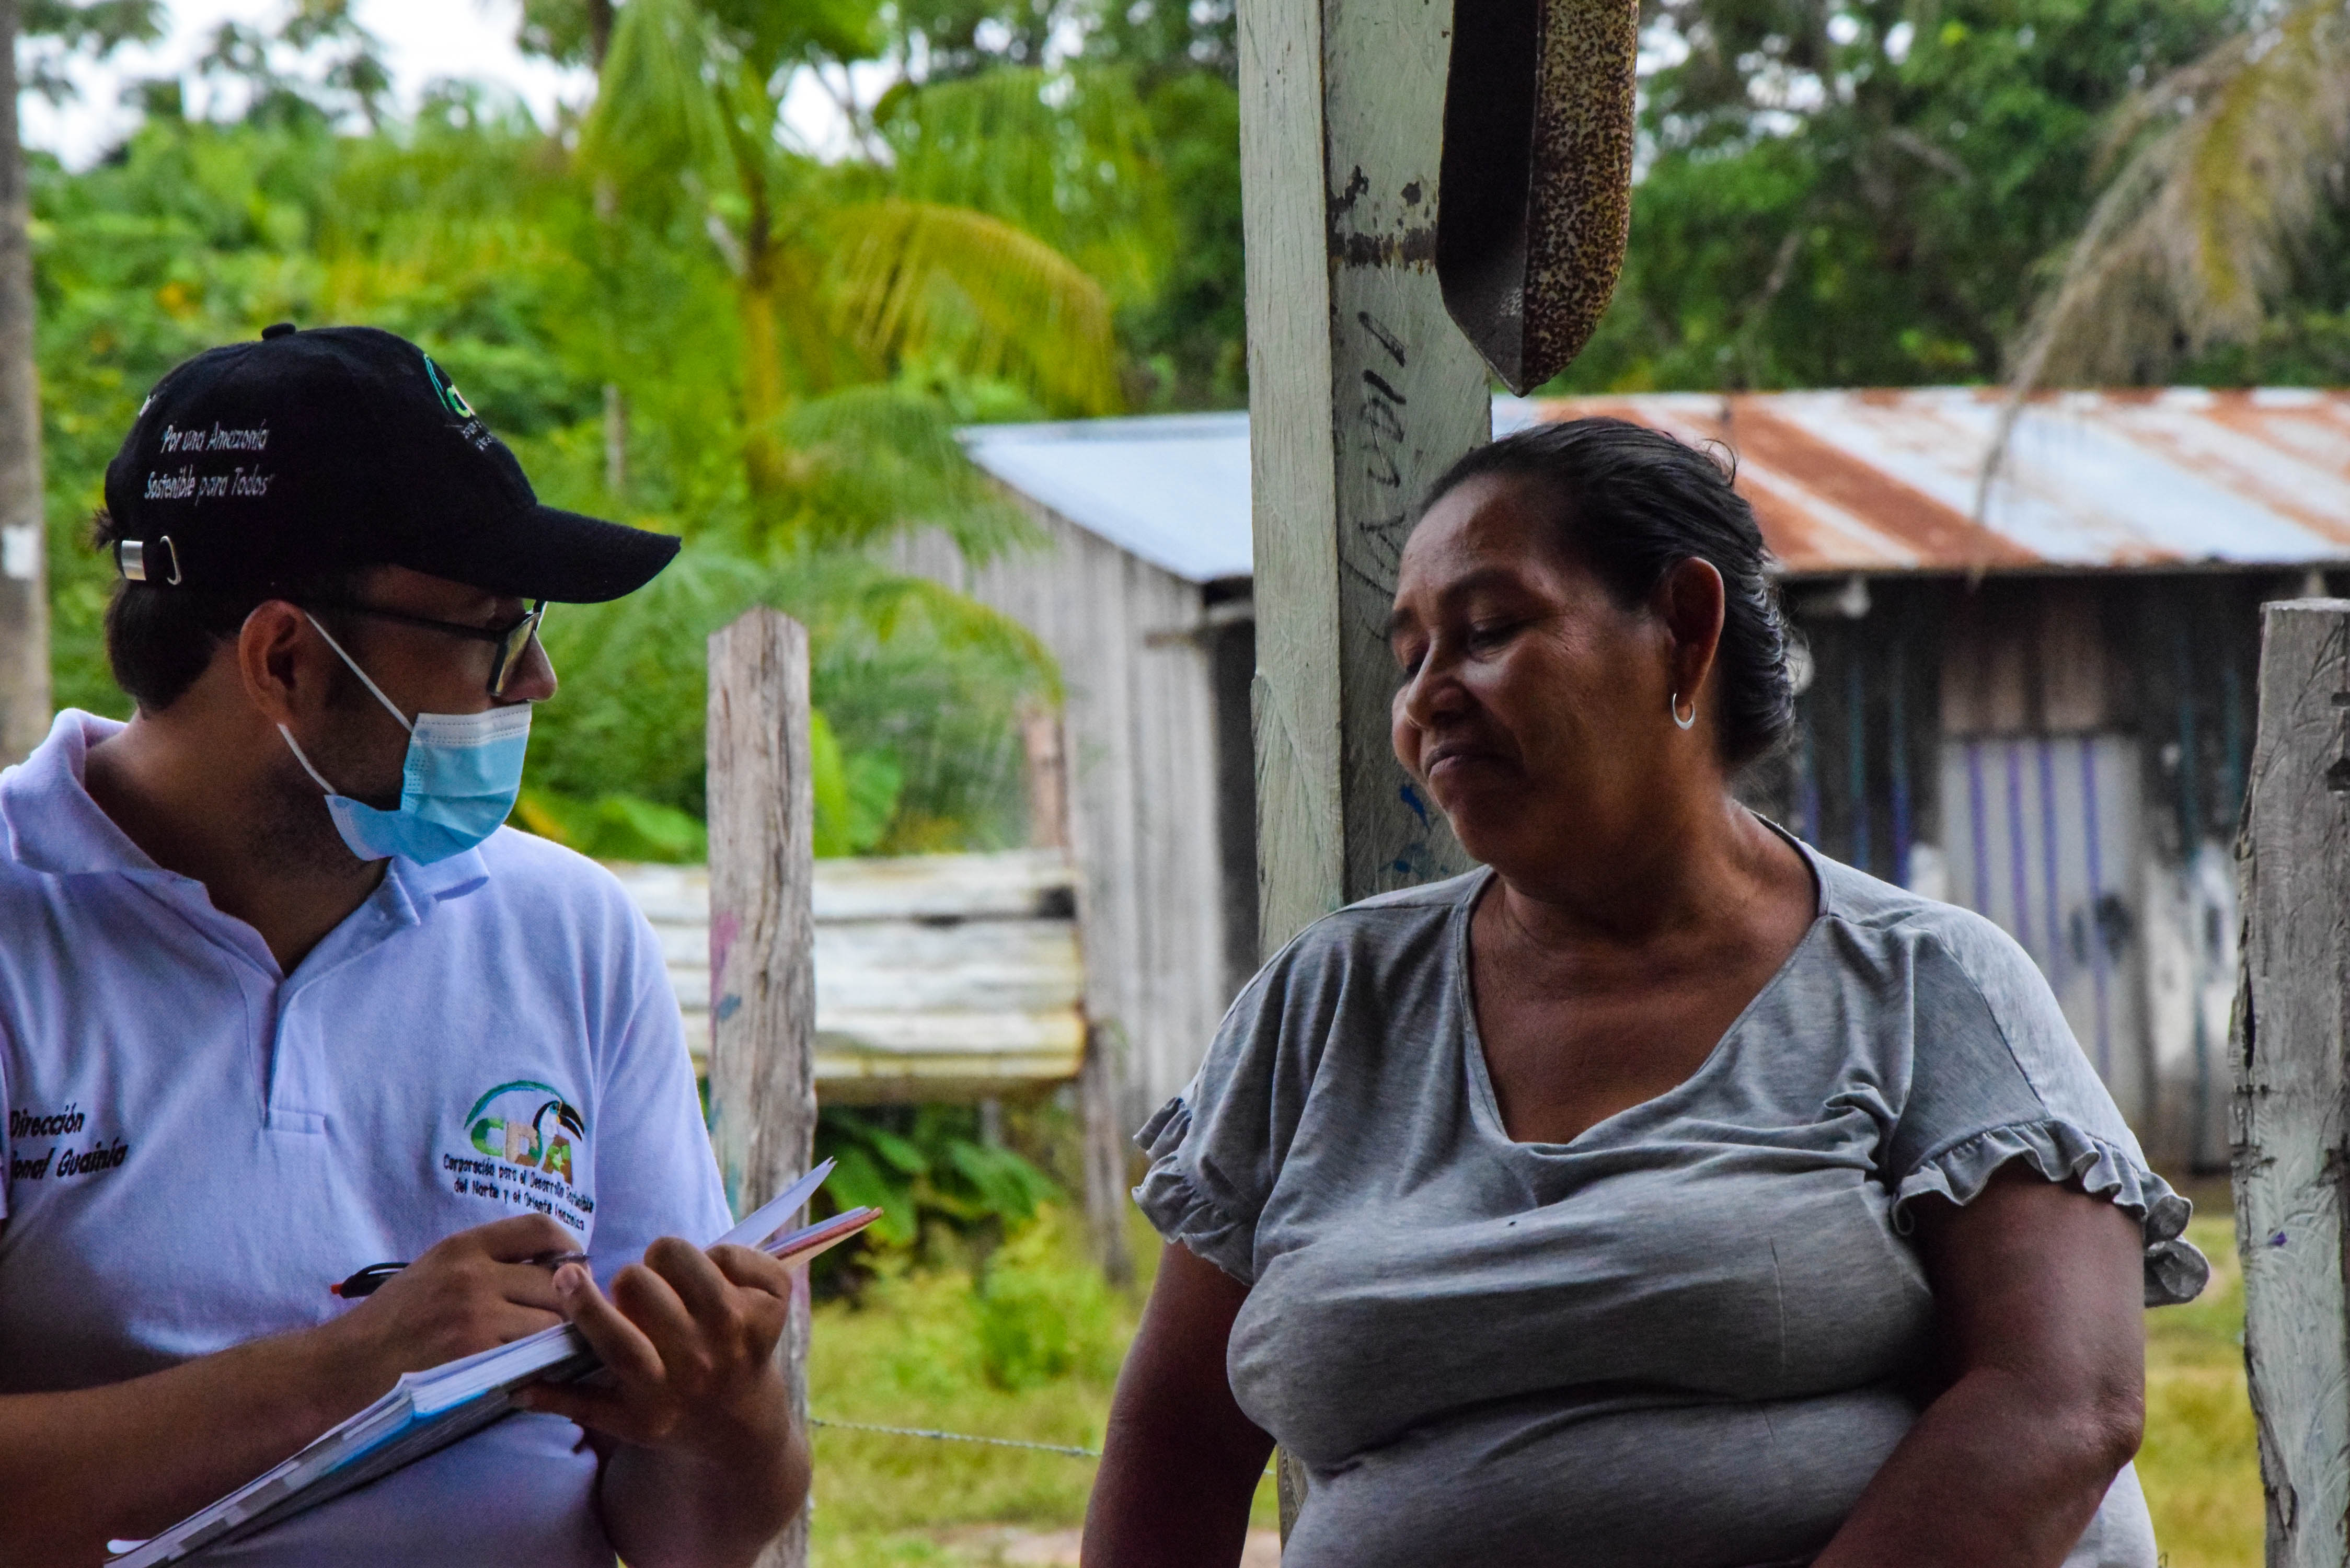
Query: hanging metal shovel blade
(1535, 192)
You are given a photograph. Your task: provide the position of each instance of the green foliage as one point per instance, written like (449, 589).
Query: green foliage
(855, 796)
(926, 1169)
(1040, 1314)
(614, 827)
(601, 338)
(1855, 194)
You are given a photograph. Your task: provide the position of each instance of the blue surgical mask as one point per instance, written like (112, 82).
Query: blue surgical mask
(458, 784)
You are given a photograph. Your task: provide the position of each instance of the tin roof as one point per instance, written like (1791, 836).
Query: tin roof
(1885, 481)
(1842, 480)
(1173, 489)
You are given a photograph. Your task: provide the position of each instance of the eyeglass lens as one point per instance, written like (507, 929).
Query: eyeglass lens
(512, 647)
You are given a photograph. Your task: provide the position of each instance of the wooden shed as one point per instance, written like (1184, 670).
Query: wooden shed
(2043, 715)
(1141, 589)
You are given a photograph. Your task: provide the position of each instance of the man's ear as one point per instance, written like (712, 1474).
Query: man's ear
(287, 667)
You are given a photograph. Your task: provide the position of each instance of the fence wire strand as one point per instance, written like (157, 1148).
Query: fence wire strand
(1071, 1450)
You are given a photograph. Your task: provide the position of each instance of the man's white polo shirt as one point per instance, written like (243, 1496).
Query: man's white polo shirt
(199, 1145)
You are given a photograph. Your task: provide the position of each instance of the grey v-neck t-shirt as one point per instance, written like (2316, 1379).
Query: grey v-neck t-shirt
(1687, 1338)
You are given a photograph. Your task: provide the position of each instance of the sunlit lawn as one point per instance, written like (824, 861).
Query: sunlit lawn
(910, 1357)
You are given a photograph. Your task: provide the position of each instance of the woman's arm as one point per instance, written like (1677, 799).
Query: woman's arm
(2039, 1314)
(1180, 1463)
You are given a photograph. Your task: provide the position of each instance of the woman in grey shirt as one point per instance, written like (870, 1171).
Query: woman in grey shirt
(1665, 1195)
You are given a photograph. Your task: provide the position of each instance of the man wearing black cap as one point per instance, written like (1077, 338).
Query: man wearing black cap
(281, 1000)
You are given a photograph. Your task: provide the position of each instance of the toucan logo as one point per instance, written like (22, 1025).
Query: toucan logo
(525, 1124)
(446, 389)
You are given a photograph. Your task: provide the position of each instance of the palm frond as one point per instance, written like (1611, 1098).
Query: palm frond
(2220, 167)
(877, 459)
(661, 106)
(923, 279)
(1069, 156)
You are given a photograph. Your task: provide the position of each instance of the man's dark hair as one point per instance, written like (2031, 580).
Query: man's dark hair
(1631, 504)
(160, 638)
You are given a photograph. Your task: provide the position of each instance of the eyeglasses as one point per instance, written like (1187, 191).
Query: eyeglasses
(511, 641)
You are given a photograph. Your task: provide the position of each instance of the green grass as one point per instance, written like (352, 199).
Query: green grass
(2199, 1463)
(926, 1350)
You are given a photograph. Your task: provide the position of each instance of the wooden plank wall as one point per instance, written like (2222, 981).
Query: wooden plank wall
(1141, 738)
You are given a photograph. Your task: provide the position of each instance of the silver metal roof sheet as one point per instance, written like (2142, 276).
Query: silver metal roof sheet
(1173, 489)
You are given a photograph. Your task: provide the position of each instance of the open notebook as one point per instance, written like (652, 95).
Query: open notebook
(427, 1411)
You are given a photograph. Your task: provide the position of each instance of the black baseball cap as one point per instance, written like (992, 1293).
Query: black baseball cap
(307, 454)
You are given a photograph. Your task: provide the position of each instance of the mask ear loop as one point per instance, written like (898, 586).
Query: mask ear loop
(316, 776)
(393, 708)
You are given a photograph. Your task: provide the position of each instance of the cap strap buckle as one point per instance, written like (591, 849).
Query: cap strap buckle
(130, 559)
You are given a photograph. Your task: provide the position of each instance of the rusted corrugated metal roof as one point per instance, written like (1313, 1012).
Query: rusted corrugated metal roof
(1885, 481)
(1843, 481)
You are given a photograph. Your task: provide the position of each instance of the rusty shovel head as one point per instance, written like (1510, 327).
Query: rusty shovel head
(1535, 192)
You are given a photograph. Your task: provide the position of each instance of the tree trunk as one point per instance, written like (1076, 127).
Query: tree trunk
(23, 582)
(764, 462)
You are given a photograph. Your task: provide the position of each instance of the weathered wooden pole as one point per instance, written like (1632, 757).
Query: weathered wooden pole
(1361, 393)
(761, 804)
(24, 577)
(2290, 1038)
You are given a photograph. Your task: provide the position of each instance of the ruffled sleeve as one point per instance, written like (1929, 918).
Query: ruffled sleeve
(1996, 1077)
(2175, 1271)
(1171, 1196)
(1217, 1148)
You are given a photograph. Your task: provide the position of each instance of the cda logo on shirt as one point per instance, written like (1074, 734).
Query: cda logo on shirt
(524, 1148)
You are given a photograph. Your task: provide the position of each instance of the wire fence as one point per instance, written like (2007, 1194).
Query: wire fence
(1070, 1449)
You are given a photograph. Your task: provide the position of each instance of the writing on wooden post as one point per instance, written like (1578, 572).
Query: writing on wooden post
(761, 804)
(2291, 1034)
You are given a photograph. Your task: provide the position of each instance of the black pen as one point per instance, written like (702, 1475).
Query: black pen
(369, 1279)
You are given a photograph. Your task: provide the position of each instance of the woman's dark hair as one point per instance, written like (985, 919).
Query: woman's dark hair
(160, 638)
(1631, 504)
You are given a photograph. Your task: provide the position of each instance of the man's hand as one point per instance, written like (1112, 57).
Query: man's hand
(703, 1463)
(468, 1293)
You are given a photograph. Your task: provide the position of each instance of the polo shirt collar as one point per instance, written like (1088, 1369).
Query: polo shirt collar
(52, 826)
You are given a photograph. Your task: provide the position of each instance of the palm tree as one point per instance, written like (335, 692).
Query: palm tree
(2220, 170)
(838, 275)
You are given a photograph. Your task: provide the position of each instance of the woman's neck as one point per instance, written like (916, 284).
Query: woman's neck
(1678, 872)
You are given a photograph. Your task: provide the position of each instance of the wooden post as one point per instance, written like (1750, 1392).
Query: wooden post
(761, 943)
(1361, 393)
(1048, 777)
(1102, 1130)
(24, 579)
(2289, 1041)
(1107, 1149)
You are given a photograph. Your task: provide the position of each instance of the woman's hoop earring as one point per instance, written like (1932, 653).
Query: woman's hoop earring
(1673, 704)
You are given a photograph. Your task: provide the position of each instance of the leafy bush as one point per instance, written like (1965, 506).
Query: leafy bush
(1040, 1315)
(613, 827)
(926, 1169)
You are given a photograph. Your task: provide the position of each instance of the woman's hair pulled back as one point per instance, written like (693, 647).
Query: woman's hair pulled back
(1631, 504)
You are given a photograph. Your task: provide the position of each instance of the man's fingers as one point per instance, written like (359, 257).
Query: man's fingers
(618, 1343)
(687, 1270)
(753, 1271)
(528, 1285)
(598, 1409)
(523, 1236)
